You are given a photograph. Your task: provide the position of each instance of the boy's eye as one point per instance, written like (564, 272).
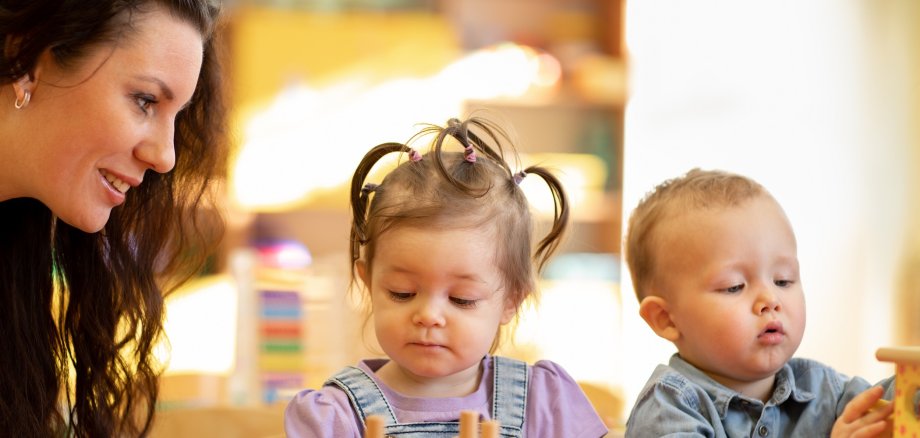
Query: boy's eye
(463, 302)
(401, 296)
(734, 289)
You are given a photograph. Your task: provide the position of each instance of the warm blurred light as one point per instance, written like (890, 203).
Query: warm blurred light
(285, 254)
(201, 327)
(310, 140)
(587, 306)
(582, 175)
(549, 71)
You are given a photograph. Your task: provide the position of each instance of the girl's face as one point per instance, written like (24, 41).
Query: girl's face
(92, 132)
(437, 303)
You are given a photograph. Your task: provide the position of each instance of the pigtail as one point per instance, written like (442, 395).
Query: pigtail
(551, 241)
(495, 133)
(472, 144)
(361, 193)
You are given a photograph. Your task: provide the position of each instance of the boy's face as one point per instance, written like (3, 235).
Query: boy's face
(729, 278)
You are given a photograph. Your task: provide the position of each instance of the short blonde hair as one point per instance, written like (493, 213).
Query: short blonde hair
(695, 190)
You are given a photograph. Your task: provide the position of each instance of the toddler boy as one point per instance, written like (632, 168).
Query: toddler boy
(714, 265)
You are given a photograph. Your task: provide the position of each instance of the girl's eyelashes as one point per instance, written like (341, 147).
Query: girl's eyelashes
(463, 302)
(401, 296)
(406, 296)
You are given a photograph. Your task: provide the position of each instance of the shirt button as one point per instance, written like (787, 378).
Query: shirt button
(763, 431)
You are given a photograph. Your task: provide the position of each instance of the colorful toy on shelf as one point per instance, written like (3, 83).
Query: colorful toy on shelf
(374, 426)
(907, 389)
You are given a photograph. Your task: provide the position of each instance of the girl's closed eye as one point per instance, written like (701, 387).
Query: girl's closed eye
(401, 296)
(464, 302)
(784, 283)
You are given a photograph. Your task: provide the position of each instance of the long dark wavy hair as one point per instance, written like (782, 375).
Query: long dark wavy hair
(469, 189)
(80, 312)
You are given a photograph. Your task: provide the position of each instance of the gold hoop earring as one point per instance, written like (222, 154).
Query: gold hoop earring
(26, 97)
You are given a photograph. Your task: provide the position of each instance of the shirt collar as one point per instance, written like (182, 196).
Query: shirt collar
(783, 388)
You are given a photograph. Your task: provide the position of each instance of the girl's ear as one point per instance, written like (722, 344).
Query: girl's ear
(654, 310)
(508, 312)
(361, 267)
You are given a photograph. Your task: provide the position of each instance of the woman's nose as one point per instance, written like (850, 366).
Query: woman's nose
(158, 150)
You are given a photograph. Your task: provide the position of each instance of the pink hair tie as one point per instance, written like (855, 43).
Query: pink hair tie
(368, 188)
(414, 156)
(469, 154)
(518, 177)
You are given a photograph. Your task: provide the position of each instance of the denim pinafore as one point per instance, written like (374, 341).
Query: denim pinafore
(509, 401)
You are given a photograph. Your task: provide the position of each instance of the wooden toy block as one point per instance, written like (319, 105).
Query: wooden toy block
(373, 427)
(469, 426)
(907, 389)
(489, 429)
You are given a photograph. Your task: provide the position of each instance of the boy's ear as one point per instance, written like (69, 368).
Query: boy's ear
(654, 310)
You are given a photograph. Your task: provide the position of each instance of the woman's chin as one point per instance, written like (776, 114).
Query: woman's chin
(91, 223)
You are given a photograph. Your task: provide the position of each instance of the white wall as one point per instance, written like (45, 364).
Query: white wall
(813, 100)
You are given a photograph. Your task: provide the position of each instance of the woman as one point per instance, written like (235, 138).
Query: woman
(94, 94)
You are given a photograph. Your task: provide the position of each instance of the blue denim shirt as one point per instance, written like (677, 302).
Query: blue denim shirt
(681, 401)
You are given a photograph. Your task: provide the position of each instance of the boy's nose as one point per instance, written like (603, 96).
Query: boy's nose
(767, 301)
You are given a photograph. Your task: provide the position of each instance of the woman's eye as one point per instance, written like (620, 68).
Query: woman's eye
(144, 102)
(401, 296)
(463, 302)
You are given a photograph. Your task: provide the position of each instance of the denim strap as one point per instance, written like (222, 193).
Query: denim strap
(509, 394)
(509, 401)
(366, 397)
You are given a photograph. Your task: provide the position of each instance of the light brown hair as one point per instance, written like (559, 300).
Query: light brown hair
(695, 190)
(449, 189)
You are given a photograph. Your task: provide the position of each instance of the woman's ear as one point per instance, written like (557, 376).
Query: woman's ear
(654, 310)
(22, 89)
(24, 86)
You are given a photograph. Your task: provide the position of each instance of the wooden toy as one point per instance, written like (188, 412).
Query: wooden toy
(469, 422)
(489, 429)
(907, 389)
(469, 426)
(373, 427)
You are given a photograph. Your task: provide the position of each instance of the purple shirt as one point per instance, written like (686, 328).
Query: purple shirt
(556, 406)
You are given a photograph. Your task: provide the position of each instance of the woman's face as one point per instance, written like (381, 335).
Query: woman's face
(94, 130)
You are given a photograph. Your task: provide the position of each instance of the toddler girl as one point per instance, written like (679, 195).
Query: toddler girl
(443, 248)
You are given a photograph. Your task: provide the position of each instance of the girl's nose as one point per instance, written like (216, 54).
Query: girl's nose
(158, 150)
(428, 314)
